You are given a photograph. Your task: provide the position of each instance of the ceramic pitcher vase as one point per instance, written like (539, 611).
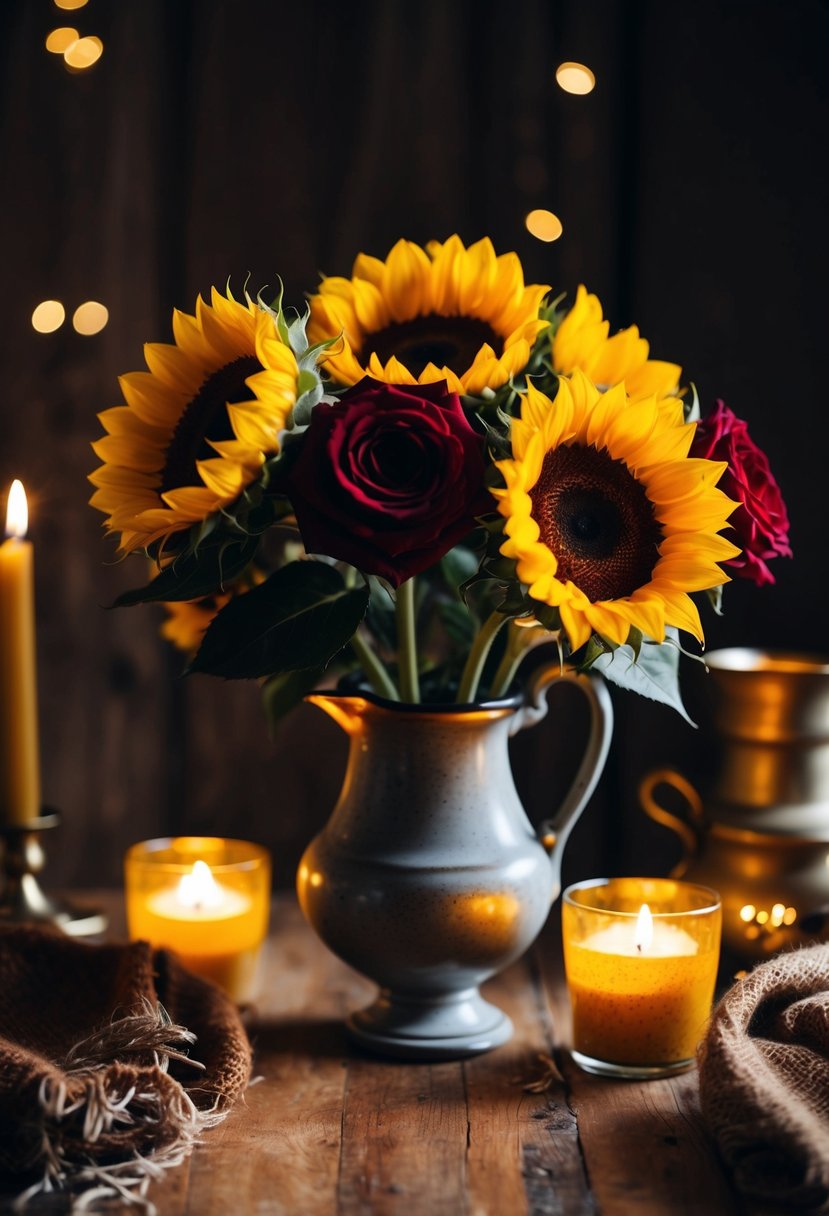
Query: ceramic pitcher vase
(428, 877)
(759, 830)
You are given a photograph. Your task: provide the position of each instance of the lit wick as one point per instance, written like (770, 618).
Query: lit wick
(644, 929)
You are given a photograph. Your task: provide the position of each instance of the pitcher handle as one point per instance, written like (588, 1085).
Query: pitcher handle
(553, 832)
(688, 830)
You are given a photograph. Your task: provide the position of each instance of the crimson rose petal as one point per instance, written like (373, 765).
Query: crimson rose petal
(388, 478)
(760, 521)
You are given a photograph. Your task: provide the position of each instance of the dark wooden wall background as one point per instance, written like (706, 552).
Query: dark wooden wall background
(220, 139)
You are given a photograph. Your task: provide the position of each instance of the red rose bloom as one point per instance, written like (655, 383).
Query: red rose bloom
(388, 478)
(760, 521)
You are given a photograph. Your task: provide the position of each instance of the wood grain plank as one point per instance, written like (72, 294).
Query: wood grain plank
(645, 1150)
(524, 1151)
(278, 1151)
(404, 1140)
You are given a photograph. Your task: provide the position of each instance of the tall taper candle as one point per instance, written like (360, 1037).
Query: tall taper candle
(19, 752)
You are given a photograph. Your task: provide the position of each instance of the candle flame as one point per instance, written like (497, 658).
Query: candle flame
(644, 929)
(17, 511)
(199, 888)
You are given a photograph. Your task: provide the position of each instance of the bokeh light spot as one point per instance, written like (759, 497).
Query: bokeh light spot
(83, 52)
(575, 78)
(48, 316)
(61, 38)
(90, 318)
(544, 225)
(70, 4)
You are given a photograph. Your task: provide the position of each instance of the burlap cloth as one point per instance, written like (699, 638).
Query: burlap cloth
(113, 1060)
(764, 1081)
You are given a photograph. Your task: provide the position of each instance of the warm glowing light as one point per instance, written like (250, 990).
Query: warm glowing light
(17, 511)
(748, 912)
(575, 78)
(315, 879)
(762, 917)
(790, 916)
(90, 318)
(644, 929)
(777, 914)
(60, 39)
(48, 316)
(83, 52)
(70, 4)
(544, 225)
(199, 888)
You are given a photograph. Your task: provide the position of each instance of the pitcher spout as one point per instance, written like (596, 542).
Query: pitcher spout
(348, 712)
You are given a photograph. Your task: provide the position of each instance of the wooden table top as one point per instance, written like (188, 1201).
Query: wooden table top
(329, 1131)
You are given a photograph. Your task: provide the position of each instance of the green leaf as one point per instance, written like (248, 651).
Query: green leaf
(655, 675)
(381, 621)
(194, 575)
(299, 618)
(282, 692)
(458, 565)
(458, 622)
(546, 615)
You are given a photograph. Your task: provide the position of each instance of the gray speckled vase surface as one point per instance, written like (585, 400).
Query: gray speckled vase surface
(428, 877)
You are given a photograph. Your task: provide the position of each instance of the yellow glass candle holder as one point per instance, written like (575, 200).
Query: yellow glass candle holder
(641, 958)
(206, 898)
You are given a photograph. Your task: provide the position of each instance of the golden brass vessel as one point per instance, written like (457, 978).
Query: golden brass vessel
(760, 833)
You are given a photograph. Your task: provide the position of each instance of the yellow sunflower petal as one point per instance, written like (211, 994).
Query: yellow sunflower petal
(406, 281)
(583, 341)
(157, 404)
(606, 516)
(149, 485)
(380, 308)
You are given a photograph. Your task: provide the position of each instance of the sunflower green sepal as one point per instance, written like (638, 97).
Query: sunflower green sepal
(298, 619)
(190, 576)
(309, 384)
(714, 595)
(292, 332)
(654, 674)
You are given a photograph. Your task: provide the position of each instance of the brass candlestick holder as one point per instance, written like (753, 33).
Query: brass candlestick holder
(22, 900)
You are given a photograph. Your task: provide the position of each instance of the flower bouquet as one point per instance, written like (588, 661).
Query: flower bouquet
(430, 470)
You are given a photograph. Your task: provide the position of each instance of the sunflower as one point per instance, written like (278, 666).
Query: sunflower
(440, 313)
(608, 518)
(187, 620)
(582, 341)
(196, 427)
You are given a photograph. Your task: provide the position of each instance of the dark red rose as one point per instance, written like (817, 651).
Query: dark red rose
(760, 522)
(388, 478)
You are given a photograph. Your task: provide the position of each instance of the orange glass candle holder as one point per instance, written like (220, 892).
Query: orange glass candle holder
(641, 958)
(206, 898)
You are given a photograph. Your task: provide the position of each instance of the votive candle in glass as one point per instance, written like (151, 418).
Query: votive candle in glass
(206, 898)
(641, 958)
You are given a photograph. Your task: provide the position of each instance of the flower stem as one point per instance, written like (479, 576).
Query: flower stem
(407, 642)
(373, 668)
(477, 657)
(518, 643)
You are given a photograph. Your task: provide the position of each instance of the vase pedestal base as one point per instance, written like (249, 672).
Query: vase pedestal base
(442, 1026)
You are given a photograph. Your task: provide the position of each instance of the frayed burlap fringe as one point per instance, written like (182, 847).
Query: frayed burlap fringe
(98, 1093)
(764, 1081)
(82, 1111)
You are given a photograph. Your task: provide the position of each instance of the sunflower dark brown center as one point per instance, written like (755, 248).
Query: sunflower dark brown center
(204, 418)
(596, 518)
(451, 342)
